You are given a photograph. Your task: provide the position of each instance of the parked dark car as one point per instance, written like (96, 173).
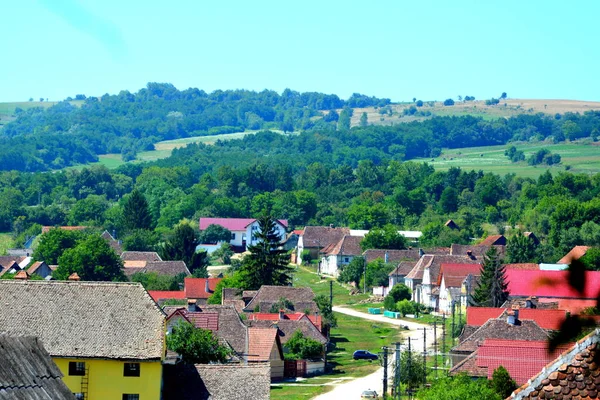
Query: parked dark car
(368, 394)
(364, 355)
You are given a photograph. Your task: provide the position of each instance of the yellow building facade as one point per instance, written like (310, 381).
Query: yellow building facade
(99, 379)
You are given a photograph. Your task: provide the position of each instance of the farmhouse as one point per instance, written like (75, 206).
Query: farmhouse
(243, 230)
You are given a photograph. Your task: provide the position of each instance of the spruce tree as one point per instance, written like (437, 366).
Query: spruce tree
(492, 288)
(266, 264)
(136, 213)
(520, 249)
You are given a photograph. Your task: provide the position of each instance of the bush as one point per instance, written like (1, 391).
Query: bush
(448, 102)
(405, 307)
(302, 348)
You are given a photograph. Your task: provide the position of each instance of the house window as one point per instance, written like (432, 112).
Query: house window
(233, 236)
(76, 368)
(131, 397)
(131, 369)
(346, 259)
(79, 396)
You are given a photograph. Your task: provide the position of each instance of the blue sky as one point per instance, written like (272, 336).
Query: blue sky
(431, 50)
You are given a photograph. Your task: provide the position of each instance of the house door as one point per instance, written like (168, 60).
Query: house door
(290, 369)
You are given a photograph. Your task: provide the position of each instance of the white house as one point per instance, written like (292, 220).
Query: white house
(243, 230)
(340, 254)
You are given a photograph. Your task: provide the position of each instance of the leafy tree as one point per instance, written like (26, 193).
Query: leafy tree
(460, 387)
(364, 120)
(419, 103)
(154, 281)
(448, 102)
(266, 264)
(405, 307)
(502, 383)
(281, 304)
(92, 259)
(214, 234)
(326, 310)
(54, 243)
(378, 273)
(591, 259)
(503, 95)
(223, 253)
(353, 272)
(383, 238)
(412, 369)
(449, 200)
(397, 293)
(520, 249)
(302, 348)
(136, 213)
(140, 240)
(195, 345)
(181, 245)
(89, 210)
(492, 288)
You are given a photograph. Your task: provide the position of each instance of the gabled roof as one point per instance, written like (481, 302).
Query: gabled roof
(494, 240)
(403, 268)
(261, 342)
(34, 267)
(27, 372)
(166, 294)
(272, 294)
(522, 359)
(233, 224)
(315, 319)
(573, 374)
(574, 254)
(203, 320)
(140, 256)
(393, 256)
(195, 288)
(85, 319)
(454, 274)
(346, 246)
(217, 382)
(321, 236)
(169, 268)
(287, 327)
(9, 261)
(545, 318)
(551, 284)
(500, 329)
(434, 263)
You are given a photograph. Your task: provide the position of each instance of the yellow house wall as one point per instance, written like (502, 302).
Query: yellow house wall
(106, 380)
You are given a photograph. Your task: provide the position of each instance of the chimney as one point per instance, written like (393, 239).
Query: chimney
(206, 287)
(513, 316)
(281, 314)
(387, 257)
(331, 226)
(191, 305)
(470, 254)
(74, 277)
(421, 252)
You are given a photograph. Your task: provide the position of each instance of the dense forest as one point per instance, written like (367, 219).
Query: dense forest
(67, 134)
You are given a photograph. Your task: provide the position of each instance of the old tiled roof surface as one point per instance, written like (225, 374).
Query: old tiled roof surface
(434, 262)
(546, 304)
(249, 294)
(493, 240)
(287, 328)
(467, 331)
(134, 263)
(476, 250)
(231, 294)
(575, 254)
(260, 343)
(169, 268)
(140, 256)
(469, 366)
(455, 274)
(347, 246)
(546, 318)
(27, 372)
(195, 288)
(166, 294)
(204, 320)
(417, 272)
(231, 327)
(217, 382)
(321, 236)
(34, 267)
(523, 266)
(316, 319)
(85, 319)
(8, 261)
(500, 329)
(575, 374)
(393, 256)
(552, 284)
(272, 294)
(403, 268)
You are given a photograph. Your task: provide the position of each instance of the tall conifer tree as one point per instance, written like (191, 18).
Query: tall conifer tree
(492, 290)
(136, 213)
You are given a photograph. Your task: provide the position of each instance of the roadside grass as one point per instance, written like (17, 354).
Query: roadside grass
(365, 307)
(6, 242)
(281, 392)
(577, 156)
(307, 277)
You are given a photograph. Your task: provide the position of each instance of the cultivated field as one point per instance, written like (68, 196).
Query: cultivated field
(581, 157)
(7, 110)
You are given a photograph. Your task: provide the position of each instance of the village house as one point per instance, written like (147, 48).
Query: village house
(107, 338)
(200, 289)
(263, 300)
(42, 269)
(494, 240)
(337, 255)
(451, 282)
(315, 238)
(243, 230)
(167, 268)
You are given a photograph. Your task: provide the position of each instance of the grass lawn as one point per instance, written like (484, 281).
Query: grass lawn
(306, 277)
(580, 157)
(365, 307)
(6, 242)
(296, 392)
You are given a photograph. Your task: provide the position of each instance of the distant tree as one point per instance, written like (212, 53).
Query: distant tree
(520, 249)
(383, 238)
(41, 99)
(448, 102)
(331, 116)
(459, 97)
(53, 244)
(154, 281)
(92, 259)
(353, 272)
(140, 240)
(412, 369)
(460, 387)
(378, 272)
(449, 200)
(195, 345)
(136, 213)
(266, 264)
(503, 95)
(492, 288)
(223, 253)
(591, 259)
(405, 307)
(364, 120)
(419, 103)
(302, 348)
(80, 97)
(181, 245)
(501, 382)
(326, 310)
(344, 119)
(232, 282)
(414, 99)
(214, 234)
(397, 293)
(31, 99)
(281, 304)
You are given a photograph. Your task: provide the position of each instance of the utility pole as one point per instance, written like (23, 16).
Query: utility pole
(444, 341)
(365, 277)
(435, 352)
(453, 323)
(385, 371)
(331, 293)
(409, 371)
(424, 355)
(397, 393)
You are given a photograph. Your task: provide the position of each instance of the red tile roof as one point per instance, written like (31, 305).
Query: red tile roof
(522, 359)
(550, 284)
(166, 294)
(575, 254)
(260, 343)
(195, 288)
(455, 274)
(546, 319)
(204, 320)
(233, 224)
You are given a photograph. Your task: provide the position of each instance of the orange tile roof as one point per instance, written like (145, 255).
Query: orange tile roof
(134, 264)
(260, 343)
(523, 266)
(195, 288)
(575, 254)
(166, 294)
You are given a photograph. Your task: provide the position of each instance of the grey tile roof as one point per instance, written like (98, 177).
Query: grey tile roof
(403, 268)
(231, 327)
(267, 295)
(140, 256)
(27, 372)
(84, 319)
(287, 327)
(217, 382)
(169, 268)
(347, 246)
(322, 236)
